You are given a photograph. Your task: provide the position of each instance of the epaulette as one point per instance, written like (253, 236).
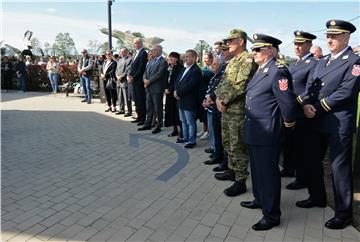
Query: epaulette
(280, 63)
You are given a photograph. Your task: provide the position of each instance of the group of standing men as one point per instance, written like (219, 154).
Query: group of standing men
(309, 106)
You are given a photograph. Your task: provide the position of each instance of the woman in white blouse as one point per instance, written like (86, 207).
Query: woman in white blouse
(53, 73)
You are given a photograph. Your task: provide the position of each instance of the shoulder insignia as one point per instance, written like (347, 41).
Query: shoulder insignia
(245, 71)
(355, 70)
(283, 84)
(265, 70)
(307, 61)
(345, 57)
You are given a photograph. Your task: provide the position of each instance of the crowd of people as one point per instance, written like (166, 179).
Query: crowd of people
(251, 106)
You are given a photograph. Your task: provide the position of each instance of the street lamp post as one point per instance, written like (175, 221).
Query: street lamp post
(201, 51)
(109, 23)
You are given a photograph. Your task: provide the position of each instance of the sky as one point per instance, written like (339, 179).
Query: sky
(180, 23)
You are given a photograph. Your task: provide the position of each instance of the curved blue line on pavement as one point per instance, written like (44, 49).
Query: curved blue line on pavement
(182, 155)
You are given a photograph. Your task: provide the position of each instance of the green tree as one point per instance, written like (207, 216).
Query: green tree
(47, 49)
(201, 48)
(64, 45)
(36, 46)
(104, 47)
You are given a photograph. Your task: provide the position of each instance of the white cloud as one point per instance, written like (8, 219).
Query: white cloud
(51, 10)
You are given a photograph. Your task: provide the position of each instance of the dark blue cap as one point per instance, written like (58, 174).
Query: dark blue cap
(336, 26)
(302, 36)
(263, 40)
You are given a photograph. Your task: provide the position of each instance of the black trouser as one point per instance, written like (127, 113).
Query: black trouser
(140, 99)
(216, 122)
(340, 147)
(266, 180)
(123, 98)
(154, 102)
(7, 79)
(111, 95)
(294, 149)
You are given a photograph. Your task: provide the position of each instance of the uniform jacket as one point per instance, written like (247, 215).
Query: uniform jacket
(138, 66)
(231, 90)
(301, 73)
(156, 73)
(270, 102)
(334, 91)
(213, 84)
(187, 88)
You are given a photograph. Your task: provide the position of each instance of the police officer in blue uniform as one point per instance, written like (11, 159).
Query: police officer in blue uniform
(301, 71)
(331, 102)
(270, 107)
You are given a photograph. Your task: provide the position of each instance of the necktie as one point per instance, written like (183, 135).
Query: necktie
(331, 59)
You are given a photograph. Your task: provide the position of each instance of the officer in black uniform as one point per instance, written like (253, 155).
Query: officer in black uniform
(301, 71)
(331, 101)
(270, 107)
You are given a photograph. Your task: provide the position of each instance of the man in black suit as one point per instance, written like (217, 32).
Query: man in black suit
(186, 93)
(136, 79)
(155, 78)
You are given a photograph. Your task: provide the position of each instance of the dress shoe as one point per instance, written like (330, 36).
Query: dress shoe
(189, 146)
(250, 204)
(140, 123)
(180, 141)
(119, 112)
(156, 130)
(308, 203)
(295, 185)
(212, 162)
(337, 223)
(226, 175)
(107, 110)
(127, 115)
(144, 128)
(83, 101)
(287, 173)
(220, 168)
(209, 150)
(235, 189)
(135, 121)
(264, 225)
(89, 102)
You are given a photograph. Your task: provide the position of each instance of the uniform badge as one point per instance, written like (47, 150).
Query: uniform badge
(345, 57)
(265, 70)
(355, 70)
(307, 61)
(283, 84)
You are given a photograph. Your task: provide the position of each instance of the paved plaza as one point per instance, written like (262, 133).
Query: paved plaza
(71, 172)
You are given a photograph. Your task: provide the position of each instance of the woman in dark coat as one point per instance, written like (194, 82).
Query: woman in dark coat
(108, 73)
(171, 110)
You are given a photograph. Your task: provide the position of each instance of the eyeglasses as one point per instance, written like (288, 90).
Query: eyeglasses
(259, 49)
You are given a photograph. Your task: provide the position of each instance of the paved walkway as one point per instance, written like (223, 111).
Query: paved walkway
(70, 173)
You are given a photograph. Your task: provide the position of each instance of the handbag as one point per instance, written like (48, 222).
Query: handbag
(111, 83)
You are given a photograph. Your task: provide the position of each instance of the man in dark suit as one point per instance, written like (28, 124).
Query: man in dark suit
(136, 80)
(155, 78)
(301, 71)
(269, 106)
(122, 69)
(331, 102)
(186, 92)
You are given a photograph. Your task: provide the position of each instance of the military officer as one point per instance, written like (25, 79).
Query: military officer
(269, 107)
(301, 71)
(331, 101)
(230, 102)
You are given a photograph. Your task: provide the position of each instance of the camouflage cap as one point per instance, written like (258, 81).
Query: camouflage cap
(236, 33)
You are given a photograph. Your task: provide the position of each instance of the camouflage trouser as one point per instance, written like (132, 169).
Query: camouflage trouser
(232, 137)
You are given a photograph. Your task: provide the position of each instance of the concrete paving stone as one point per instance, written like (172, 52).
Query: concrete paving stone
(35, 239)
(72, 218)
(84, 234)
(136, 223)
(25, 215)
(238, 231)
(220, 231)
(127, 233)
(175, 238)
(227, 218)
(29, 222)
(55, 218)
(103, 235)
(45, 213)
(201, 230)
(59, 206)
(51, 231)
(210, 219)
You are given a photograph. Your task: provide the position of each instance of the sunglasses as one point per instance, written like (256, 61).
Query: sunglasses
(259, 49)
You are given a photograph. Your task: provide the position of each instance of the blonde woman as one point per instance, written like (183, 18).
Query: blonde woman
(53, 73)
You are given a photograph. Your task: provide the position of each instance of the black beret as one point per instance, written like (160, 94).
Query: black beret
(335, 26)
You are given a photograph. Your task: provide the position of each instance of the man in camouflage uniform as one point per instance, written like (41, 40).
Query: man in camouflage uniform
(231, 102)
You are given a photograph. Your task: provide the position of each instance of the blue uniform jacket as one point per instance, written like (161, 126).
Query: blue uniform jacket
(270, 102)
(333, 91)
